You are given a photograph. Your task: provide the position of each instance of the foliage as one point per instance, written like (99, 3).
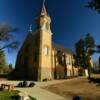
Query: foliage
(4, 68)
(84, 50)
(89, 41)
(10, 67)
(7, 38)
(5, 95)
(98, 48)
(94, 4)
(99, 61)
(3, 64)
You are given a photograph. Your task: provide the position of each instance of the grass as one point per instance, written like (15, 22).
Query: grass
(5, 95)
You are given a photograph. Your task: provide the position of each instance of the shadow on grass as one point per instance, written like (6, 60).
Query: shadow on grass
(94, 80)
(19, 98)
(15, 97)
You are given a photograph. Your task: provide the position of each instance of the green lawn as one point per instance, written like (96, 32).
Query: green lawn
(5, 95)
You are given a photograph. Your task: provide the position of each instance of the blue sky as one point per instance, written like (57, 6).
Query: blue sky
(70, 20)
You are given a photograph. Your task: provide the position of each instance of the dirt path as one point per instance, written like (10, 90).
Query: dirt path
(63, 89)
(77, 87)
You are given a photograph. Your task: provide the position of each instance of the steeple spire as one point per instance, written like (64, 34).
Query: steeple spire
(43, 12)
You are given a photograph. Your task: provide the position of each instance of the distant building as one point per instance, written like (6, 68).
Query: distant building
(39, 58)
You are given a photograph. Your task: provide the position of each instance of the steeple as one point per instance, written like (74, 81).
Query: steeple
(44, 20)
(43, 12)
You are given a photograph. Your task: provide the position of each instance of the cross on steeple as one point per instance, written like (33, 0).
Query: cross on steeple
(43, 12)
(30, 28)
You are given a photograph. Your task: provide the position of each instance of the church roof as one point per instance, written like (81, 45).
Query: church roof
(61, 48)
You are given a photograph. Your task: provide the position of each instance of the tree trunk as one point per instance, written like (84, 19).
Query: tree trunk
(86, 73)
(89, 72)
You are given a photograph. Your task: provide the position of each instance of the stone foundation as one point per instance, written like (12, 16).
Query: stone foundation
(46, 73)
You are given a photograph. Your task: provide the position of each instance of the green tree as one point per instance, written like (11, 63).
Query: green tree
(3, 64)
(10, 67)
(80, 55)
(85, 48)
(89, 43)
(94, 4)
(99, 62)
(80, 52)
(98, 48)
(7, 40)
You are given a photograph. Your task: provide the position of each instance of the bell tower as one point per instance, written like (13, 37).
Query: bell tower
(34, 58)
(44, 20)
(45, 48)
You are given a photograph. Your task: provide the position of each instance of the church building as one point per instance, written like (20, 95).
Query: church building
(39, 58)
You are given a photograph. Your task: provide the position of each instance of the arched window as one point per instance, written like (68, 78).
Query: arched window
(46, 50)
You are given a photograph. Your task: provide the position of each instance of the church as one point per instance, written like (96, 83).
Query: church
(39, 58)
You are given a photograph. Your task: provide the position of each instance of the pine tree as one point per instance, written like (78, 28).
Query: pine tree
(94, 4)
(85, 48)
(3, 64)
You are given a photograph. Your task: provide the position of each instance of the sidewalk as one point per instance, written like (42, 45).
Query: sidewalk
(42, 94)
